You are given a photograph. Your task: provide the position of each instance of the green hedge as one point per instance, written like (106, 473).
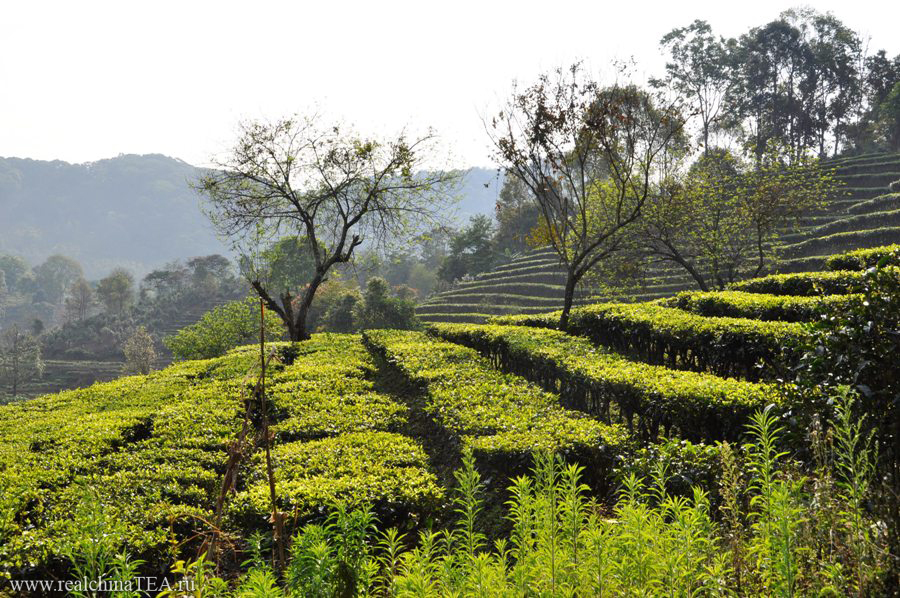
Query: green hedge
(700, 406)
(666, 336)
(838, 241)
(804, 284)
(757, 306)
(153, 448)
(861, 259)
(501, 416)
(383, 470)
(328, 390)
(886, 201)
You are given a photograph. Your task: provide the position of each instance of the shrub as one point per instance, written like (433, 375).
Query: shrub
(220, 329)
(776, 533)
(701, 406)
(757, 306)
(379, 310)
(860, 259)
(804, 284)
(678, 339)
(498, 415)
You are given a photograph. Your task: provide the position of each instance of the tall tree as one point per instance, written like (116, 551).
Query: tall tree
(20, 359)
(699, 69)
(14, 268)
(588, 156)
(54, 277)
(116, 291)
(720, 222)
(517, 216)
(471, 250)
(831, 85)
(335, 188)
(79, 300)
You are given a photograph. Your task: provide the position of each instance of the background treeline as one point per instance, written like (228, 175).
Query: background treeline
(805, 81)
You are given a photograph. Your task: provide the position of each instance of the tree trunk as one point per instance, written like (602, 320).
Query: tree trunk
(568, 298)
(299, 331)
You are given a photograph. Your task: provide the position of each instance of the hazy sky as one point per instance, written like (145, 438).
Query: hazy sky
(88, 80)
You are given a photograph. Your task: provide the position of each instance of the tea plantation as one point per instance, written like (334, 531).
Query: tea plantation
(864, 214)
(413, 427)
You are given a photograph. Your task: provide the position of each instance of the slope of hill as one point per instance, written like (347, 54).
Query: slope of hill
(382, 419)
(867, 216)
(133, 211)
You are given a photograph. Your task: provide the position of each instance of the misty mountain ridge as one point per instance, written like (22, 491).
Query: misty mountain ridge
(134, 211)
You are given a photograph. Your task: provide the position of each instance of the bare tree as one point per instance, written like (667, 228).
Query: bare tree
(337, 189)
(722, 220)
(589, 156)
(80, 300)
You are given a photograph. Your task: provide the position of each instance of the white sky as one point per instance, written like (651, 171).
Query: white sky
(90, 79)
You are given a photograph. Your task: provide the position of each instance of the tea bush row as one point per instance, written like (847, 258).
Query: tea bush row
(678, 339)
(700, 406)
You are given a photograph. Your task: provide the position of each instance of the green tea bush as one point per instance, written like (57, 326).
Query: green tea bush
(220, 329)
(776, 532)
(152, 450)
(666, 336)
(500, 416)
(757, 306)
(700, 406)
(804, 284)
(860, 259)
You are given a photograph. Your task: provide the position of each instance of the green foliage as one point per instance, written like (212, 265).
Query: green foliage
(20, 360)
(379, 310)
(116, 291)
(804, 284)
(96, 550)
(517, 215)
(651, 541)
(721, 221)
(220, 329)
(698, 405)
(492, 412)
(861, 259)
(140, 355)
(355, 468)
(662, 335)
(54, 277)
(14, 268)
(151, 449)
(856, 348)
(329, 390)
(757, 306)
(471, 250)
(289, 264)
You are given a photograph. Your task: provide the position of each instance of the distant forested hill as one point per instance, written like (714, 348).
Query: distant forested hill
(133, 211)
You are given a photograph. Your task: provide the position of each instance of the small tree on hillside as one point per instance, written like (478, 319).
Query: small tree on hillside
(336, 189)
(116, 291)
(222, 328)
(53, 277)
(140, 353)
(722, 220)
(20, 359)
(379, 310)
(588, 156)
(79, 300)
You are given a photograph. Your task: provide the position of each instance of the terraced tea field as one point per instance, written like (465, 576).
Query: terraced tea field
(866, 215)
(382, 419)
